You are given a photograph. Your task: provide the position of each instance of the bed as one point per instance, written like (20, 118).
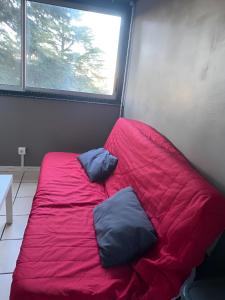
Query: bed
(59, 255)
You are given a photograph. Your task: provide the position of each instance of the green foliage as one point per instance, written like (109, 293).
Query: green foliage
(10, 52)
(60, 50)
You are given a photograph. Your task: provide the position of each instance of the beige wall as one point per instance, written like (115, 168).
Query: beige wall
(176, 78)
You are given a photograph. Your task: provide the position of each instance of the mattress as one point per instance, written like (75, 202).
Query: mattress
(59, 255)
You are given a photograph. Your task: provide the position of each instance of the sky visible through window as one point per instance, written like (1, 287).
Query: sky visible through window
(106, 29)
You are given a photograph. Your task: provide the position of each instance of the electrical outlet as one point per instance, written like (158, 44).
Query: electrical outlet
(21, 150)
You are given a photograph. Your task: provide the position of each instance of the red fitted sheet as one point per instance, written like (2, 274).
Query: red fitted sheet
(59, 255)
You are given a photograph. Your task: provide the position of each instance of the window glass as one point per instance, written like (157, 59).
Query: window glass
(70, 49)
(10, 42)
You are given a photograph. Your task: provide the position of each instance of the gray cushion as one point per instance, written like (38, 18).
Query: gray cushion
(98, 164)
(123, 229)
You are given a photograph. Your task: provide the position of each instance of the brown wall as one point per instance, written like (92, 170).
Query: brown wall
(177, 77)
(49, 125)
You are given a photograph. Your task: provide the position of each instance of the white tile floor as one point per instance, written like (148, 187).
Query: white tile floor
(24, 188)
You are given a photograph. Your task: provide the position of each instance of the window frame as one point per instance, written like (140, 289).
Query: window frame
(122, 10)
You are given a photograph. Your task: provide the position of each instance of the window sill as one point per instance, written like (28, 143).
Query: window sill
(59, 97)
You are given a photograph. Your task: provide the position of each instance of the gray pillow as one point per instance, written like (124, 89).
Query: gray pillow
(123, 230)
(98, 164)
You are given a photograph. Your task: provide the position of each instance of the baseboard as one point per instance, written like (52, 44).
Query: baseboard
(18, 168)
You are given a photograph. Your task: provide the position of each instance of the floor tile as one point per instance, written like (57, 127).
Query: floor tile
(5, 285)
(15, 188)
(30, 176)
(22, 205)
(15, 230)
(27, 189)
(17, 176)
(2, 225)
(9, 250)
(14, 193)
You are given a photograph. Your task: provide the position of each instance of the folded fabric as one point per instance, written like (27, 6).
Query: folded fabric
(123, 230)
(98, 164)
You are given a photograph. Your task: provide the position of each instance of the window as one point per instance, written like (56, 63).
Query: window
(68, 50)
(10, 43)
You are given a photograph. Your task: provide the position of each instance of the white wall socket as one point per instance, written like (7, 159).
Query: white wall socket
(21, 150)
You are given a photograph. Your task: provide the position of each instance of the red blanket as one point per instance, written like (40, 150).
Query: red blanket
(59, 255)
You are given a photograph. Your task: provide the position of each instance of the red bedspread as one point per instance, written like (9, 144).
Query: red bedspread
(59, 256)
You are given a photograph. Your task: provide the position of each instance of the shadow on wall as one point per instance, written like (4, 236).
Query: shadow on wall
(176, 78)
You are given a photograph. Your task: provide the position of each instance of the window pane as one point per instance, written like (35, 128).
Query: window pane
(70, 49)
(10, 42)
